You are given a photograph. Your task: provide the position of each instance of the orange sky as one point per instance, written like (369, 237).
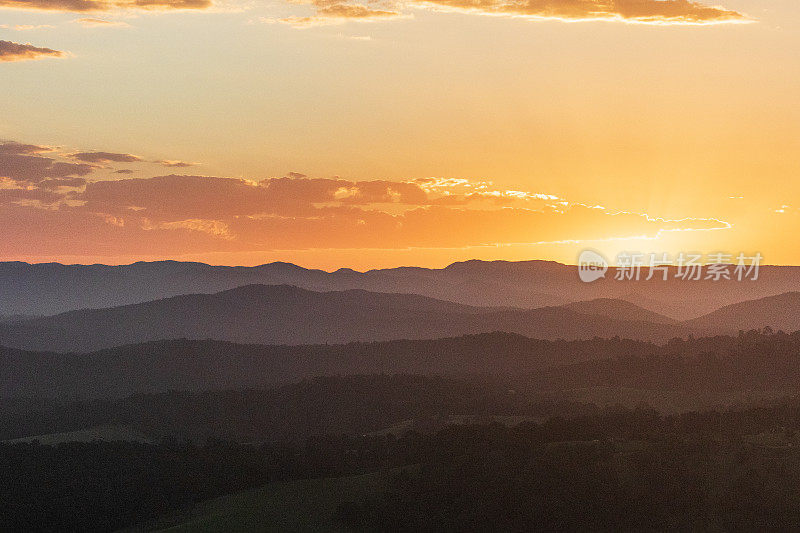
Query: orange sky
(489, 129)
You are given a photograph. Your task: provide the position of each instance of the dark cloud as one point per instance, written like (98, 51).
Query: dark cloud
(105, 157)
(19, 148)
(24, 52)
(11, 196)
(35, 168)
(56, 5)
(176, 197)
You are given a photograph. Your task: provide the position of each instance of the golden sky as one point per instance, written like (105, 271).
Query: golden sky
(335, 133)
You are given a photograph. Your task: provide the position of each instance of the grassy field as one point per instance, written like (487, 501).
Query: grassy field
(302, 505)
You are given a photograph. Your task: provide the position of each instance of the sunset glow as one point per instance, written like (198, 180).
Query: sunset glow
(341, 134)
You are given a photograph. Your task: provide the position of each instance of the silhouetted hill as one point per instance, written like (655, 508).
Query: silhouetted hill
(781, 312)
(321, 406)
(750, 361)
(50, 288)
(15, 318)
(280, 314)
(493, 374)
(214, 365)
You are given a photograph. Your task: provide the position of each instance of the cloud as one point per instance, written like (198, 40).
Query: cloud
(166, 4)
(56, 5)
(23, 163)
(54, 183)
(29, 230)
(11, 147)
(100, 23)
(84, 230)
(105, 157)
(354, 37)
(83, 6)
(631, 11)
(23, 52)
(353, 11)
(329, 12)
(178, 197)
(23, 195)
(296, 213)
(169, 198)
(381, 191)
(654, 12)
(27, 27)
(175, 163)
(49, 207)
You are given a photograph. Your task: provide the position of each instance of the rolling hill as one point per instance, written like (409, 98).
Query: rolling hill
(618, 309)
(216, 365)
(281, 314)
(780, 312)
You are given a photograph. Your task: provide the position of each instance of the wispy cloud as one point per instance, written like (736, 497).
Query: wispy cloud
(100, 23)
(26, 27)
(175, 163)
(83, 6)
(329, 12)
(652, 12)
(630, 11)
(326, 12)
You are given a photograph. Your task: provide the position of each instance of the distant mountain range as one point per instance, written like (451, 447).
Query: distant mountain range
(51, 288)
(282, 314)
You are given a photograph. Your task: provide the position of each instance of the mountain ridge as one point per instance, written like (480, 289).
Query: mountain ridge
(284, 314)
(52, 288)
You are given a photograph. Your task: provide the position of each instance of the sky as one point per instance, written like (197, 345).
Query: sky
(338, 133)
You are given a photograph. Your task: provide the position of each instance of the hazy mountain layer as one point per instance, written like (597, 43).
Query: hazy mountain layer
(46, 289)
(280, 314)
